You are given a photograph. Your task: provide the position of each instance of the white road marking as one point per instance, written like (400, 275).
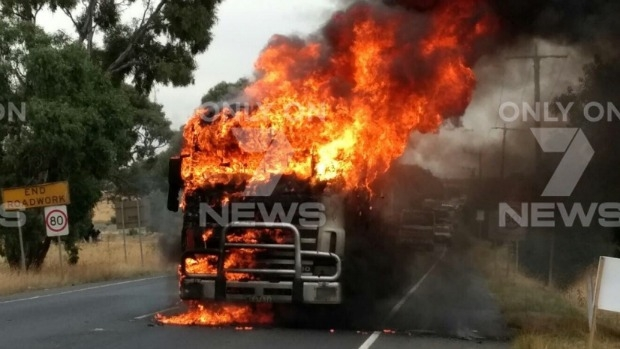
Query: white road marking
(414, 288)
(155, 312)
(375, 335)
(81, 290)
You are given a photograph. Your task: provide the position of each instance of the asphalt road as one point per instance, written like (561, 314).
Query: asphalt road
(447, 306)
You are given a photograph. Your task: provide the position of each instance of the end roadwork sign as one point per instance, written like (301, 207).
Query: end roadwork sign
(42, 195)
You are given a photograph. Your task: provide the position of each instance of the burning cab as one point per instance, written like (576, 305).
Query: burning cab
(285, 245)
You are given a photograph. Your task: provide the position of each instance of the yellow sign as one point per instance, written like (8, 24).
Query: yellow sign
(47, 194)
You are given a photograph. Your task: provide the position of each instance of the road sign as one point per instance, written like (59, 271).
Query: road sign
(480, 215)
(127, 213)
(510, 232)
(56, 221)
(43, 195)
(606, 289)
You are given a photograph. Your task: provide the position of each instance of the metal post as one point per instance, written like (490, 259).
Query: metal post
(517, 256)
(21, 245)
(123, 227)
(551, 250)
(140, 234)
(508, 261)
(62, 272)
(480, 163)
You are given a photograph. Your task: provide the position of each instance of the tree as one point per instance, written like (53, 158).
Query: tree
(225, 90)
(78, 128)
(158, 46)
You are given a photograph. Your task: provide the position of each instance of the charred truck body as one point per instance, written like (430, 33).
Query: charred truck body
(287, 247)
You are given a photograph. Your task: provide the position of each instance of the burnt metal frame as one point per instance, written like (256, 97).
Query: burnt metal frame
(298, 280)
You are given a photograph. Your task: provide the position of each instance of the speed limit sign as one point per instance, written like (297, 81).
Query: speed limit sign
(56, 221)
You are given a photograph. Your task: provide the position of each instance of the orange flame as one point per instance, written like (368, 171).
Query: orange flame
(220, 315)
(347, 101)
(237, 258)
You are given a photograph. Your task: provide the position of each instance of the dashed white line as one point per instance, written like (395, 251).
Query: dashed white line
(81, 290)
(375, 335)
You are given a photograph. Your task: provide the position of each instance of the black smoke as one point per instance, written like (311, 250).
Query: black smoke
(591, 24)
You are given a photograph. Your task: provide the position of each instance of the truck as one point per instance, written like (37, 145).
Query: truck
(236, 249)
(417, 229)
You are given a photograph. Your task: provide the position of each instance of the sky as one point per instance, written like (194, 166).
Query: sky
(243, 29)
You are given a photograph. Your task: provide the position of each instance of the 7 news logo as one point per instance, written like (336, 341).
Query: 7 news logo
(577, 155)
(11, 218)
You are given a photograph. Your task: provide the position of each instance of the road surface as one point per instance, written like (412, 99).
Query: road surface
(447, 306)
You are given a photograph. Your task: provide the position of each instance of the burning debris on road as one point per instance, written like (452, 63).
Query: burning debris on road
(220, 315)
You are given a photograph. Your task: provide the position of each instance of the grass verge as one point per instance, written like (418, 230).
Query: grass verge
(542, 317)
(100, 261)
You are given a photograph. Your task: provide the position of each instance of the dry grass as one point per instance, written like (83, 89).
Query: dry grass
(103, 212)
(543, 317)
(98, 262)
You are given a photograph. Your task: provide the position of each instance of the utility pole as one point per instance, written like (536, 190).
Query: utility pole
(480, 164)
(505, 131)
(537, 58)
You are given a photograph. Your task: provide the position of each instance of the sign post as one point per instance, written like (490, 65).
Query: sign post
(132, 214)
(140, 235)
(507, 231)
(21, 247)
(123, 228)
(57, 225)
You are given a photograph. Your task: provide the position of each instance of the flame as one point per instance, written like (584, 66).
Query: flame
(243, 258)
(220, 315)
(207, 234)
(345, 101)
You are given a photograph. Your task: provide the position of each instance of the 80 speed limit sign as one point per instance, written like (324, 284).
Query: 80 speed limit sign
(56, 221)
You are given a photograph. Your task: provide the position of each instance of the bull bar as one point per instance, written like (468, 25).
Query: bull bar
(303, 288)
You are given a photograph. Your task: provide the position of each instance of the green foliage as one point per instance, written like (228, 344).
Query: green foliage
(156, 46)
(225, 90)
(85, 123)
(78, 128)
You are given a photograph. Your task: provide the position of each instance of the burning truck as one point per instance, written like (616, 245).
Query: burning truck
(334, 111)
(268, 239)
